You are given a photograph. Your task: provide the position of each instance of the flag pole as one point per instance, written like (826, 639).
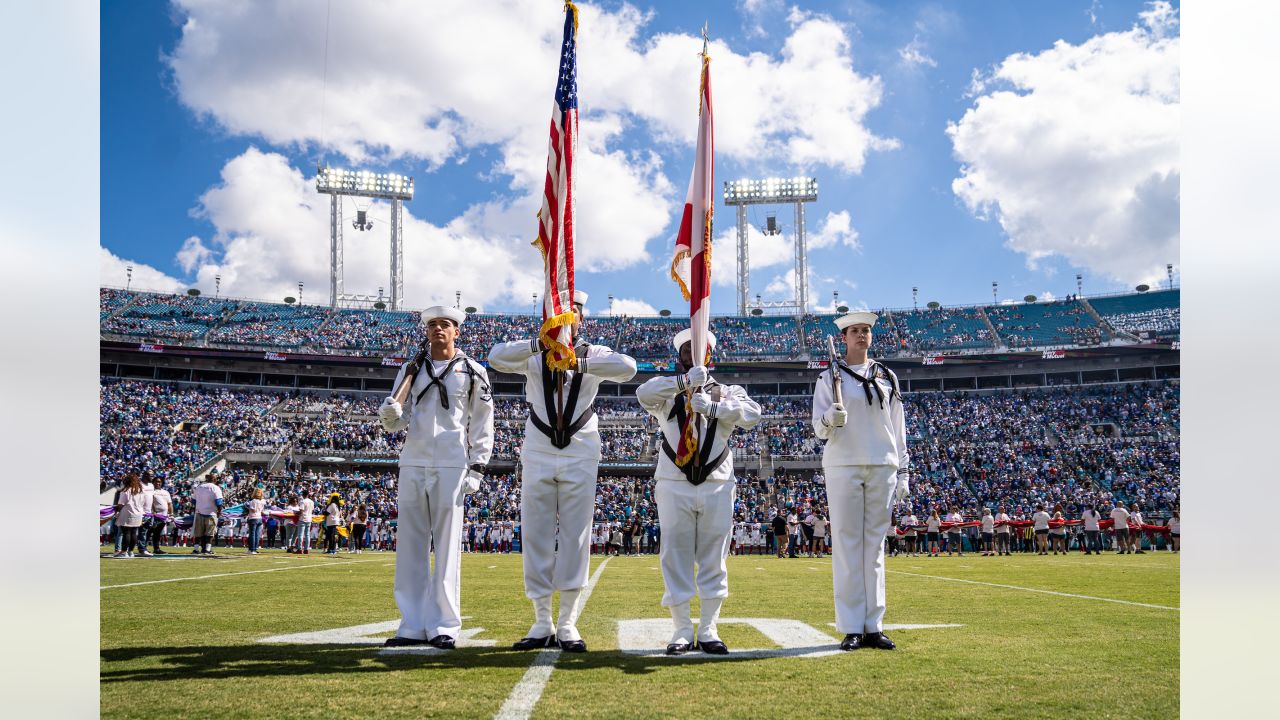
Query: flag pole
(697, 422)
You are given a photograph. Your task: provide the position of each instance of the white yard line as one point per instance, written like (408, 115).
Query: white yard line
(524, 696)
(1036, 590)
(244, 572)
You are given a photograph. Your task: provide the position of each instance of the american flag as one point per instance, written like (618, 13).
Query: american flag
(691, 264)
(555, 220)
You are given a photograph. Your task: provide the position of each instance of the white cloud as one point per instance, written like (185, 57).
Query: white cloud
(114, 271)
(762, 251)
(272, 231)
(913, 54)
(1075, 150)
(1048, 295)
(443, 77)
(836, 229)
(633, 307)
(450, 80)
(192, 254)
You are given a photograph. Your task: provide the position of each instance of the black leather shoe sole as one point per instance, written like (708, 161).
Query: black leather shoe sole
(398, 641)
(444, 642)
(678, 648)
(532, 643)
(852, 641)
(574, 646)
(713, 647)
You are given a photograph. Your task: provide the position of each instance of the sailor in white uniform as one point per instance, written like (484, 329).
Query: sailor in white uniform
(865, 462)
(558, 464)
(695, 501)
(449, 416)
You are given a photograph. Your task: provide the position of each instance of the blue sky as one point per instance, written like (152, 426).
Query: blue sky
(1059, 120)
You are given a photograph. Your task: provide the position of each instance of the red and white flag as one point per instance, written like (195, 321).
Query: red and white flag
(691, 264)
(555, 219)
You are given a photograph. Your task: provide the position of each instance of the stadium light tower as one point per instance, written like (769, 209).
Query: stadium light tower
(995, 288)
(772, 191)
(1169, 269)
(915, 298)
(128, 274)
(1079, 284)
(337, 183)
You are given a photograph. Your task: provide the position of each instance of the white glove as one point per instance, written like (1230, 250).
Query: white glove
(903, 488)
(836, 415)
(697, 376)
(702, 404)
(471, 482)
(390, 410)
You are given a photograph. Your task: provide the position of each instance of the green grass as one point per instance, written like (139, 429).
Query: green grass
(190, 648)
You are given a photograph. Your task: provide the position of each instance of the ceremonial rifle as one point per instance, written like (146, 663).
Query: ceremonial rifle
(411, 370)
(836, 380)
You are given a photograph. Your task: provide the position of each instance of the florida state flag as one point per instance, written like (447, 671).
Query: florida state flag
(691, 264)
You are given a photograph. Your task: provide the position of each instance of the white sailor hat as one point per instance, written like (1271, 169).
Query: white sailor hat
(438, 311)
(686, 335)
(861, 317)
(579, 298)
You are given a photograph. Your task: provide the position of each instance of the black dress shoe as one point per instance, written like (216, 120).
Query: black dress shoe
(398, 641)
(852, 641)
(879, 641)
(678, 648)
(533, 643)
(444, 642)
(577, 646)
(713, 647)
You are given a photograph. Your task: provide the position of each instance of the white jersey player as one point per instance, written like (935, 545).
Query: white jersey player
(558, 464)
(865, 462)
(449, 416)
(695, 499)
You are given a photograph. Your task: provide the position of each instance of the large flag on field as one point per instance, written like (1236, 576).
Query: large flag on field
(555, 219)
(691, 264)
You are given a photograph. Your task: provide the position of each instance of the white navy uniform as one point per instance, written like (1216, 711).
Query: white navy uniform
(450, 427)
(864, 461)
(695, 506)
(558, 473)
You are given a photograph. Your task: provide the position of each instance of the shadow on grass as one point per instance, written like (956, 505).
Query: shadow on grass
(258, 661)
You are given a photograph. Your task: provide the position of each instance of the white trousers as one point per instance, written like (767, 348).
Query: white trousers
(556, 490)
(696, 523)
(861, 503)
(430, 510)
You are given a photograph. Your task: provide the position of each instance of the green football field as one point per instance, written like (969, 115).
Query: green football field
(1027, 636)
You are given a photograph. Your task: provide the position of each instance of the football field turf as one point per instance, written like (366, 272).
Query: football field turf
(1023, 636)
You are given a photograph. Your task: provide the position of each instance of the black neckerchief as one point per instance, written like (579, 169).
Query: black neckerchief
(869, 384)
(428, 368)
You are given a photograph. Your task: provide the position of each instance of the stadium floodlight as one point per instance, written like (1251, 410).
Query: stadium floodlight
(337, 182)
(772, 191)
(362, 183)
